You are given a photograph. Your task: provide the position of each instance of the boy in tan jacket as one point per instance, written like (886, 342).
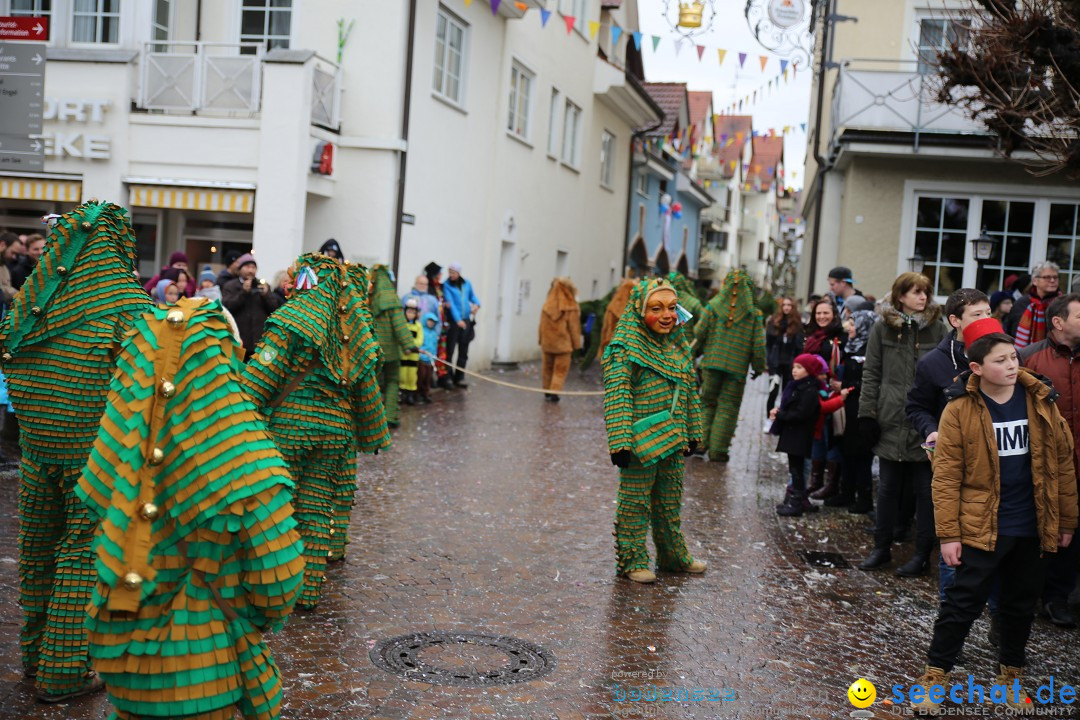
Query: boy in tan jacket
(1004, 496)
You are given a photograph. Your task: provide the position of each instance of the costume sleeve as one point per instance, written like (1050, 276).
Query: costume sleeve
(757, 357)
(573, 321)
(273, 365)
(1067, 508)
(618, 402)
(273, 564)
(695, 431)
(871, 385)
(369, 420)
(921, 408)
(949, 464)
(401, 330)
(703, 328)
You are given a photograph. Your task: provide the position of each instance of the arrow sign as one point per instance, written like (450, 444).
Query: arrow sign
(37, 59)
(24, 28)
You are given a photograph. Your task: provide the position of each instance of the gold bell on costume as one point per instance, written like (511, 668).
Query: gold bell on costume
(690, 14)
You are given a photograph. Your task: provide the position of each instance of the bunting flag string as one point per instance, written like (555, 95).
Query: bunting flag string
(545, 15)
(570, 20)
(594, 27)
(637, 40)
(616, 33)
(700, 52)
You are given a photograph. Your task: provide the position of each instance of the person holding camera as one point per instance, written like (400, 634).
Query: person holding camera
(250, 302)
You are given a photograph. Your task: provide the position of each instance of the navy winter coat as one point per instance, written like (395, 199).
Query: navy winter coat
(934, 374)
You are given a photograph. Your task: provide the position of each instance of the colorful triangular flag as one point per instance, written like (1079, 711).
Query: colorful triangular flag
(637, 40)
(523, 7)
(742, 59)
(783, 65)
(655, 42)
(616, 33)
(700, 52)
(594, 26)
(468, 3)
(545, 15)
(495, 6)
(803, 126)
(570, 20)
(721, 54)
(764, 59)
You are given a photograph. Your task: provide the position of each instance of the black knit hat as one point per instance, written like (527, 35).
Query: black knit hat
(842, 273)
(331, 244)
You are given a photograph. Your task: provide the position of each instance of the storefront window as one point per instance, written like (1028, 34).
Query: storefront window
(1062, 241)
(941, 240)
(1009, 221)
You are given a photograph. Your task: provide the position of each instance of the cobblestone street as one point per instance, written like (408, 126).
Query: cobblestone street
(493, 513)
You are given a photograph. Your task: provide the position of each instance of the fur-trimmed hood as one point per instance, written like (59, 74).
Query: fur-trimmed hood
(896, 320)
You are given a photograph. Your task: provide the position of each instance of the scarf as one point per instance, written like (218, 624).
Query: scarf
(667, 355)
(864, 320)
(1032, 327)
(816, 339)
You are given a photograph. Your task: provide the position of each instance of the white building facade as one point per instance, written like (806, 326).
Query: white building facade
(206, 120)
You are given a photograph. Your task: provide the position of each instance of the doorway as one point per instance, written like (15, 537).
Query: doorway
(507, 293)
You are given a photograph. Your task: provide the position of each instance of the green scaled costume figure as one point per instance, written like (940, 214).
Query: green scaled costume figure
(642, 370)
(314, 376)
(197, 552)
(688, 298)
(731, 336)
(58, 344)
(393, 336)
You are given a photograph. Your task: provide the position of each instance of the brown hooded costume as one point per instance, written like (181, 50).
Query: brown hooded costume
(615, 310)
(560, 332)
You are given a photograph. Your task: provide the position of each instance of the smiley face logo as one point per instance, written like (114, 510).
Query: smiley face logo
(862, 693)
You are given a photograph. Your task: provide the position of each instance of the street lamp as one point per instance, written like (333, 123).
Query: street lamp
(984, 247)
(917, 262)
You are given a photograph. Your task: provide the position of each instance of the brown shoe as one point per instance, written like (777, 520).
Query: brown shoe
(93, 684)
(1016, 698)
(696, 567)
(642, 576)
(931, 676)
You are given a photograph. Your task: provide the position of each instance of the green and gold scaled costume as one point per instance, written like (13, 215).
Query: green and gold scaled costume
(393, 335)
(197, 552)
(641, 371)
(58, 344)
(322, 338)
(731, 337)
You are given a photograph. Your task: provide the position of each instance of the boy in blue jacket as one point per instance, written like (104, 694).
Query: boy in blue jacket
(429, 351)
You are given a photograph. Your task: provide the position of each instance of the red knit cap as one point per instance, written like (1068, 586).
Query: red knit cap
(981, 328)
(812, 364)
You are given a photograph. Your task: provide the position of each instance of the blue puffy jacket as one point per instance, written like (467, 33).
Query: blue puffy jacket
(458, 299)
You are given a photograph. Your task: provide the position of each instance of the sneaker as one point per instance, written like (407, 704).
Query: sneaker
(696, 567)
(1016, 698)
(1058, 612)
(642, 576)
(92, 685)
(931, 676)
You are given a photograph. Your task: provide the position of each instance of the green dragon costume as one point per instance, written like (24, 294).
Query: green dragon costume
(393, 336)
(731, 336)
(642, 369)
(314, 375)
(197, 553)
(58, 344)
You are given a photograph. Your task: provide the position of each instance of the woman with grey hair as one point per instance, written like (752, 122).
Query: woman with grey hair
(1029, 312)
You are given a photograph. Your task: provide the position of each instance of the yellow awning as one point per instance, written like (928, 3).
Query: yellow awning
(183, 198)
(29, 189)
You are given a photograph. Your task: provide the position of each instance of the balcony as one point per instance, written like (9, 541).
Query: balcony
(226, 79)
(880, 95)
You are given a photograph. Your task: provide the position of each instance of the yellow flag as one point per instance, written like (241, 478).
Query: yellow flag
(594, 26)
(722, 53)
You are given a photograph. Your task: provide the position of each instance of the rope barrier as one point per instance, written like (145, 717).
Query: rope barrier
(580, 393)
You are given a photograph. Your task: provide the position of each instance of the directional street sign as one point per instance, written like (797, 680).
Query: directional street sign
(24, 28)
(22, 102)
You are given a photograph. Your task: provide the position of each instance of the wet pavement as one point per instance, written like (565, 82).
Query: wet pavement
(492, 514)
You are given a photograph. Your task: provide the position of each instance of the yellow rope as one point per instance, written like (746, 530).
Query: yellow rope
(512, 385)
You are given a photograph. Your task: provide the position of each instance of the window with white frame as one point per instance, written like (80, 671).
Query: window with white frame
(268, 22)
(553, 123)
(1011, 222)
(95, 21)
(642, 183)
(936, 35)
(32, 8)
(574, 8)
(571, 134)
(607, 159)
(450, 39)
(1063, 241)
(161, 23)
(941, 240)
(521, 83)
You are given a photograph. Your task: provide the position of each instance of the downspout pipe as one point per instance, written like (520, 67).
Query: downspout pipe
(822, 163)
(403, 155)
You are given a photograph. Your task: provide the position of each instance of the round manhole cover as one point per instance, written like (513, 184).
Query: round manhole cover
(463, 659)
